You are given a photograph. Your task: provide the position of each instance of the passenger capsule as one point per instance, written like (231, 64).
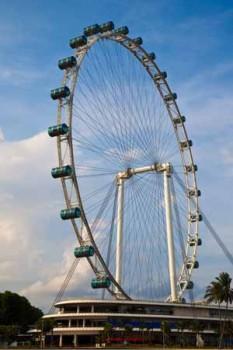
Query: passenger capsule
(91, 30)
(191, 168)
(193, 192)
(149, 57)
(61, 92)
(170, 97)
(191, 264)
(194, 242)
(121, 31)
(136, 42)
(77, 42)
(72, 213)
(105, 27)
(67, 62)
(186, 144)
(58, 130)
(84, 251)
(62, 171)
(193, 217)
(179, 120)
(100, 282)
(189, 285)
(159, 76)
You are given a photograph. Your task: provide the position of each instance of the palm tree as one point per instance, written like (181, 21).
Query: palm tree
(220, 291)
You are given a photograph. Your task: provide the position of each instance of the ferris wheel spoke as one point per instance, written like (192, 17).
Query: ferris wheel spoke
(149, 246)
(108, 100)
(97, 130)
(119, 89)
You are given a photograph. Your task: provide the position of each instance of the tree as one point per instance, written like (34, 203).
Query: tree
(181, 325)
(17, 310)
(220, 291)
(16, 314)
(8, 333)
(45, 325)
(165, 328)
(107, 332)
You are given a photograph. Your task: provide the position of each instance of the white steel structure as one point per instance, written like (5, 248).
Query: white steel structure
(121, 149)
(121, 177)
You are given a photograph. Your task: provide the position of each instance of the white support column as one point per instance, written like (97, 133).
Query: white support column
(60, 341)
(120, 207)
(75, 340)
(170, 241)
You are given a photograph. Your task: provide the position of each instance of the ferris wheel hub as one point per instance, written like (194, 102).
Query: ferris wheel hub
(156, 167)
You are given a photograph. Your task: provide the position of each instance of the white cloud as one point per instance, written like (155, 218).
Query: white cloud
(36, 250)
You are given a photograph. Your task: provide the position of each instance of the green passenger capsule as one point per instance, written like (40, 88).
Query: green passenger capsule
(191, 168)
(84, 251)
(67, 62)
(159, 76)
(149, 57)
(73, 213)
(100, 283)
(121, 31)
(61, 92)
(79, 41)
(170, 97)
(137, 41)
(193, 242)
(61, 171)
(189, 285)
(185, 144)
(105, 27)
(190, 264)
(91, 30)
(58, 130)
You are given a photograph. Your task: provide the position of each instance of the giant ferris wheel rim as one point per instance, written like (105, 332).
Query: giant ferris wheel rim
(150, 66)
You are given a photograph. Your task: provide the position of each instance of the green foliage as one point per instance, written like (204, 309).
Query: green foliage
(16, 310)
(8, 333)
(220, 290)
(107, 332)
(166, 330)
(196, 326)
(45, 324)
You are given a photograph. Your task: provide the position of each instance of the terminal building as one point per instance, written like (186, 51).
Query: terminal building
(80, 322)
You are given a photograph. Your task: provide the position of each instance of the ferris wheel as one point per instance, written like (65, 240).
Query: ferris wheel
(122, 144)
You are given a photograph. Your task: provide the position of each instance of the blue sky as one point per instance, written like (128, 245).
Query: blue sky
(193, 43)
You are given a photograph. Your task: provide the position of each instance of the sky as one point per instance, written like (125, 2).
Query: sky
(193, 43)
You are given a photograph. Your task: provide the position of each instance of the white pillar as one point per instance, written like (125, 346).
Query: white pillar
(120, 207)
(69, 323)
(170, 241)
(75, 340)
(60, 341)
